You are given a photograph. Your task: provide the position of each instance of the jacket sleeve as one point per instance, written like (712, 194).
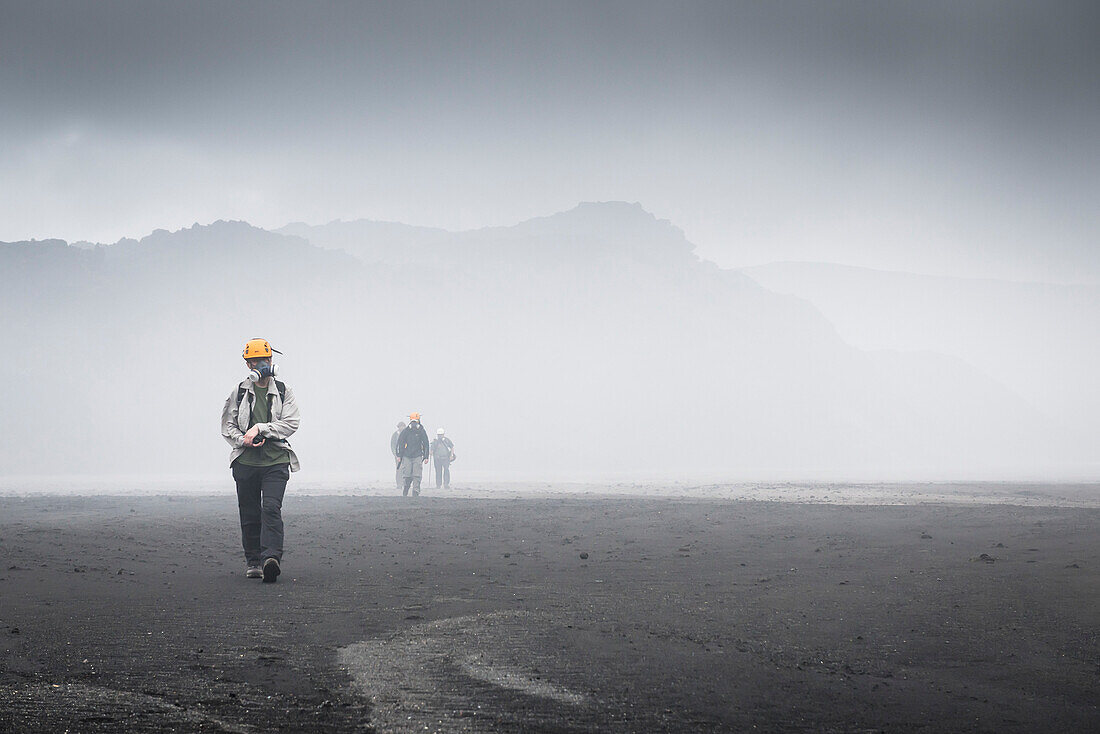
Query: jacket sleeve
(288, 421)
(231, 432)
(424, 440)
(393, 443)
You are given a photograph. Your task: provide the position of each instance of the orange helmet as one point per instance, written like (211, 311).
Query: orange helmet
(257, 349)
(414, 416)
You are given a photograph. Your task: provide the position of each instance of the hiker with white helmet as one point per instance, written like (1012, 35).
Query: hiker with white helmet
(443, 452)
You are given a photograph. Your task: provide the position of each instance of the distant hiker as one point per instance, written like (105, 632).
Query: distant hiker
(393, 450)
(412, 448)
(258, 417)
(443, 452)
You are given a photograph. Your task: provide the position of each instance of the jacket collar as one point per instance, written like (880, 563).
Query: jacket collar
(250, 387)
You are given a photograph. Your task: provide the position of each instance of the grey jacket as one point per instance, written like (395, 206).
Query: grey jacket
(284, 419)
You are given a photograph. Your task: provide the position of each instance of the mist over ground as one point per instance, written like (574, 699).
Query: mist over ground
(864, 248)
(591, 344)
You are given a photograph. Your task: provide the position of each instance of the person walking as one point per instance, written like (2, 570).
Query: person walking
(258, 417)
(412, 448)
(443, 453)
(396, 456)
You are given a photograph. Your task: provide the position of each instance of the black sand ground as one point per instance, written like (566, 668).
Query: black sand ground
(549, 614)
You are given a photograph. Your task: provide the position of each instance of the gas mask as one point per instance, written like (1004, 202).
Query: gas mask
(262, 371)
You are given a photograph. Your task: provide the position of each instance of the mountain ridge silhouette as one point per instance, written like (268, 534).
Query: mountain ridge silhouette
(583, 343)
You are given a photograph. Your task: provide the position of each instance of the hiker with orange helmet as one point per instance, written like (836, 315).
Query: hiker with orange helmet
(412, 448)
(259, 416)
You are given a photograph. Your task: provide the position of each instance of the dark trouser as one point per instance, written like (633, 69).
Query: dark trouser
(260, 492)
(411, 470)
(442, 473)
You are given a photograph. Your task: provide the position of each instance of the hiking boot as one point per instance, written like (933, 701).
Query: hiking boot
(271, 570)
(254, 572)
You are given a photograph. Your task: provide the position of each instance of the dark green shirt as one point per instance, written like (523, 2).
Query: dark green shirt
(268, 454)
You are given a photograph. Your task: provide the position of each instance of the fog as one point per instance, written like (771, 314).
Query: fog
(588, 345)
(1031, 337)
(615, 241)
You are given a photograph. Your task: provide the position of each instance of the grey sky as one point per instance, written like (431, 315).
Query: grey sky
(957, 138)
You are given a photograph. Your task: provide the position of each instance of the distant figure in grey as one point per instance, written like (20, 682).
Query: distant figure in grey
(257, 421)
(443, 453)
(393, 450)
(412, 447)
